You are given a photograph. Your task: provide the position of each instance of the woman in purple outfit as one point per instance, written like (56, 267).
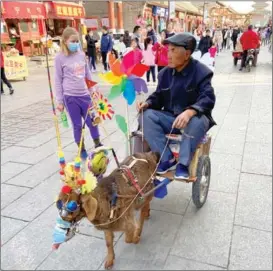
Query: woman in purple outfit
(71, 70)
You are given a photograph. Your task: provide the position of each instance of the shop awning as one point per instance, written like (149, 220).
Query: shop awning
(22, 10)
(64, 10)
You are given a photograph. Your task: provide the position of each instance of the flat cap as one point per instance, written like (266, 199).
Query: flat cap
(185, 40)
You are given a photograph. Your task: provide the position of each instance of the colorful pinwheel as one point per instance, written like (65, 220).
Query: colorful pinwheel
(125, 76)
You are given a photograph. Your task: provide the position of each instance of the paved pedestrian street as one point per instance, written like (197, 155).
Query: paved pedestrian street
(233, 230)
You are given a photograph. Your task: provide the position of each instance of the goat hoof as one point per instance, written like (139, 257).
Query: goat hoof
(136, 239)
(128, 240)
(109, 263)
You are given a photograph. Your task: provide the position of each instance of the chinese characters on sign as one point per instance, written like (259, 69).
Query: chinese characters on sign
(16, 67)
(69, 11)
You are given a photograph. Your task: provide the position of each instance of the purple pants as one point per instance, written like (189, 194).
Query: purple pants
(77, 107)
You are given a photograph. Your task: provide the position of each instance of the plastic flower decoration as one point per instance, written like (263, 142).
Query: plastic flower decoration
(125, 76)
(206, 59)
(103, 108)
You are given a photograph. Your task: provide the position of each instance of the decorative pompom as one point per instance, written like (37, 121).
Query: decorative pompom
(66, 189)
(77, 160)
(81, 182)
(61, 172)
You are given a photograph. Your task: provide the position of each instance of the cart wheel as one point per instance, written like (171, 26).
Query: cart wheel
(200, 187)
(235, 61)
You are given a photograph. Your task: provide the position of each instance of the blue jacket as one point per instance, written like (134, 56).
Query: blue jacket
(151, 34)
(190, 88)
(106, 43)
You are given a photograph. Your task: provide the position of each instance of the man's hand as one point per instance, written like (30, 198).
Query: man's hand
(141, 106)
(60, 107)
(183, 119)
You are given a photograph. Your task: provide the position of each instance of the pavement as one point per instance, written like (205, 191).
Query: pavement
(233, 230)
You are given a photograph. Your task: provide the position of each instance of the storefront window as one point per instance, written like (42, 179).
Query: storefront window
(34, 26)
(24, 26)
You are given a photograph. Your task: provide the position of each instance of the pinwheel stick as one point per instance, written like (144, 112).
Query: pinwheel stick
(128, 131)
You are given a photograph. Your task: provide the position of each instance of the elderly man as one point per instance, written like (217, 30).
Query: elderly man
(183, 100)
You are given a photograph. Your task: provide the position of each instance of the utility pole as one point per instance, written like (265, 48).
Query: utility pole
(204, 5)
(169, 13)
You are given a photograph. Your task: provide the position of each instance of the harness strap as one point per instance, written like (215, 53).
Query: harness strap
(135, 160)
(131, 178)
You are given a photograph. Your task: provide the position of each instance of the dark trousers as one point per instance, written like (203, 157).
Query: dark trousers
(159, 68)
(243, 61)
(5, 80)
(156, 124)
(92, 62)
(104, 60)
(234, 44)
(224, 45)
(151, 70)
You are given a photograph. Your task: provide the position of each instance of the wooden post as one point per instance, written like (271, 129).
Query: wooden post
(120, 18)
(111, 15)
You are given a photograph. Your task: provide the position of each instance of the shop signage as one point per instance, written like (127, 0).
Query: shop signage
(91, 23)
(159, 11)
(16, 67)
(22, 10)
(105, 22)
(67, 10)
(172, 9)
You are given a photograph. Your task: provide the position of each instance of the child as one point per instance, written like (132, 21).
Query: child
(149, 58)
(135, 47)
(71, 70)
(213, 50)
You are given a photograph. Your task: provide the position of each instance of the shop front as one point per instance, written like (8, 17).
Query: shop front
(62, 14)
(23, 26)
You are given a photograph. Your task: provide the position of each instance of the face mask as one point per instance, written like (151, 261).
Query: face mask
(73, 46)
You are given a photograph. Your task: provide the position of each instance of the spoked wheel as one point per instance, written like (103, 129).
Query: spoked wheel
(200, 187)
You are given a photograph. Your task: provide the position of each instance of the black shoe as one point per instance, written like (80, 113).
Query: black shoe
(2, 92)
(240, 69)
(11, 91)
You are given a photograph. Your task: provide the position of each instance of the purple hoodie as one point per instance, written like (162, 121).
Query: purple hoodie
(70, 74)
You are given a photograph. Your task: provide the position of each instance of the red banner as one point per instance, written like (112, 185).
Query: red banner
(23, 10)
(67, 10)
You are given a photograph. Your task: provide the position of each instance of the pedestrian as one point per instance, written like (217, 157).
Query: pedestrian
(127, 39)
(263, 36)
(151, 33)
(234, 36)
(170, 31)
(4, 78)
(218, 39)
(224, 43)
(249, 40)
(140, 21)
(213, 50)
(161, 52)
(205, 43)
(120, 46)
(105, 47)
(71, 70)
(137, 33)
(113, 51)
(91, 50)
(228, 36)
(149, 58)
